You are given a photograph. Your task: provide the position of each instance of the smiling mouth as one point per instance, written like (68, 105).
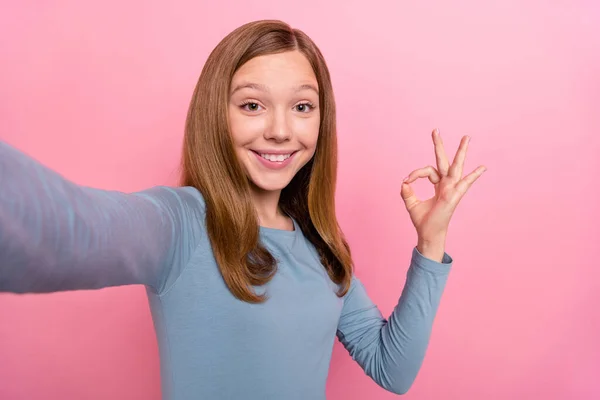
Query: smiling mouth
(274, 157)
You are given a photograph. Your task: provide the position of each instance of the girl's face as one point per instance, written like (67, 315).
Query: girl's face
(274, 117)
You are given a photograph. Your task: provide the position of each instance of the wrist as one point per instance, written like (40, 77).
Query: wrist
(432, 249)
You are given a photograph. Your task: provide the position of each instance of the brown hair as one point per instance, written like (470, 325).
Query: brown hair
(231, 219)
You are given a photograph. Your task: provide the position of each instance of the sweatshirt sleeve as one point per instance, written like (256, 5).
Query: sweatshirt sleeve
(58, 236)
(392, 350)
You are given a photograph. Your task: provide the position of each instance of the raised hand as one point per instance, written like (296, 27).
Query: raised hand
(431, 217)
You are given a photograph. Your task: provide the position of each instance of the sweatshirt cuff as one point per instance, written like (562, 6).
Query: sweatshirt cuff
(428, 264)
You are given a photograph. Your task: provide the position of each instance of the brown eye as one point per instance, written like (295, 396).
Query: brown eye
(250, 106)
(304, 107)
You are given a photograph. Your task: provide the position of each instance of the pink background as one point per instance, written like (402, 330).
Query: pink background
(99, 91)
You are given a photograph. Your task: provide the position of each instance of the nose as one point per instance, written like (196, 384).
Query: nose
(278, 128)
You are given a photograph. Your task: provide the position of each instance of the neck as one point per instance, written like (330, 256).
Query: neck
(267, 208)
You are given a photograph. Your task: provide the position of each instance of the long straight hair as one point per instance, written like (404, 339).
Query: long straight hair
(231, 218)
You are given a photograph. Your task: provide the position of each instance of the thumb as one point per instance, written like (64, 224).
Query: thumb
(408, 195)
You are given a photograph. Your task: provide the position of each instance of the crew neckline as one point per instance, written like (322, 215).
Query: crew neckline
(281, 232)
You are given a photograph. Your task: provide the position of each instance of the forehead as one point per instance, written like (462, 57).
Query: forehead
(282, 69)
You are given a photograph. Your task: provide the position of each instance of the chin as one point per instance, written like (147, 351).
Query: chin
(269, 185)
(269, 181)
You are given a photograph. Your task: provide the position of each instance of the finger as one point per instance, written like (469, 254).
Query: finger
(465, 183)
(408, 195)
(426, 172)
(440, 154)
(456, 169)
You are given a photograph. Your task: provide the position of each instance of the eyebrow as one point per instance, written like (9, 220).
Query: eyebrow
(307, 86)
(264, 88)
(249, 85)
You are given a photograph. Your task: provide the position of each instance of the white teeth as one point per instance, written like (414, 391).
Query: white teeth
(276, 157)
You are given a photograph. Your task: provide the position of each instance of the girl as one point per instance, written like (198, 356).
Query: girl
(248, 274)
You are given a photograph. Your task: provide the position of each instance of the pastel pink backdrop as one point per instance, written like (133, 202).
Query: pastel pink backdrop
(99, 90)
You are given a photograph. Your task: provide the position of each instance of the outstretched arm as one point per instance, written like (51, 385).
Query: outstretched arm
(56, 235)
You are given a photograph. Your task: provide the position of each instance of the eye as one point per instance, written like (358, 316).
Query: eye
(251, 106)
(304, 107)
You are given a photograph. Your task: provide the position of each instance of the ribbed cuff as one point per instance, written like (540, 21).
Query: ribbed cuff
(431, 265)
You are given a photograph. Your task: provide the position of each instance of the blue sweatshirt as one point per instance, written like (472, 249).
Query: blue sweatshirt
(58, 236)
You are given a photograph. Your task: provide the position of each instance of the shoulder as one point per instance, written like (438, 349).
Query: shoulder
(355, 284)
(175, 200)
(182, 211)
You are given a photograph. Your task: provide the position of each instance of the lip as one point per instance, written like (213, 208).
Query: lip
(275, 164)
(266, 151)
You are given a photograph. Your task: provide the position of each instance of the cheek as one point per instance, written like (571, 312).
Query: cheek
(244, 130)
(307, 131)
